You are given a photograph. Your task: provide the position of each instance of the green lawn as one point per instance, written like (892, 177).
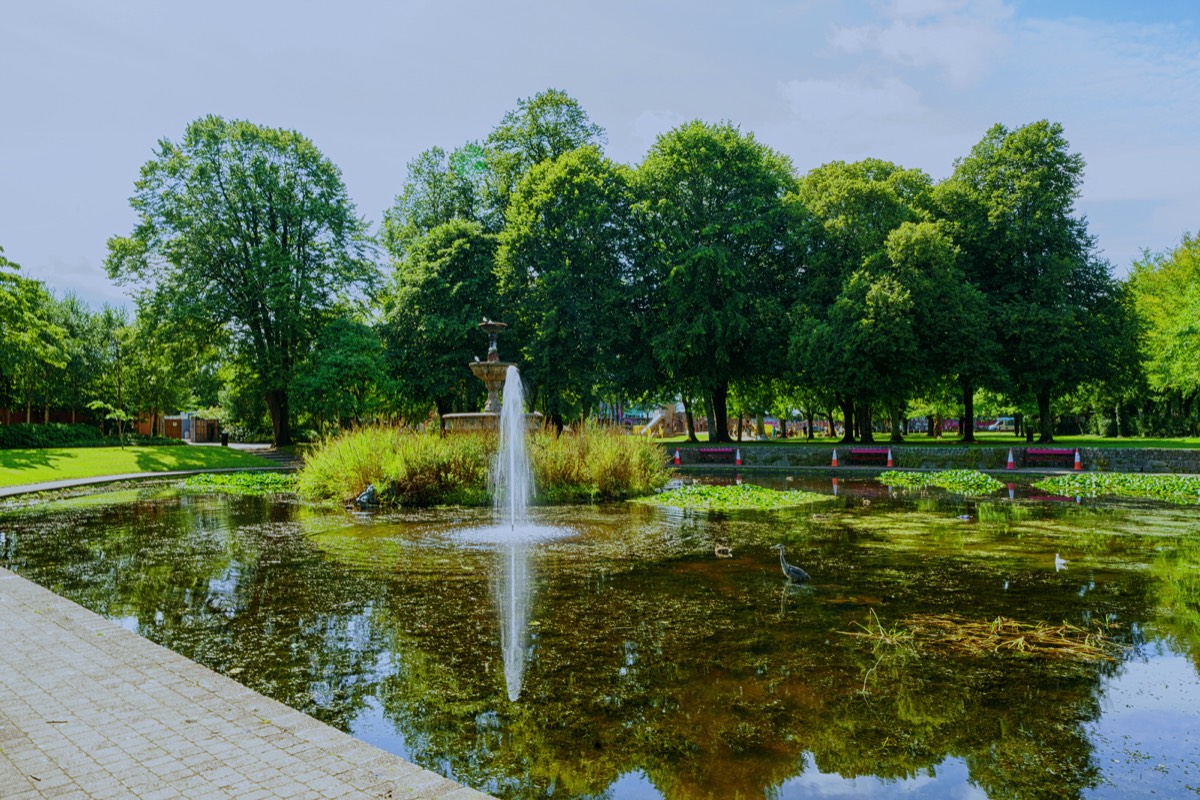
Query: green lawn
(35, 466)
(985, 438)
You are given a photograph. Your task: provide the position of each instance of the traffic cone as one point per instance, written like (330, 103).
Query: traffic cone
(1078, 463)
(737, 457)
(1011, 464)
(834, 457)
(890, 458)
(677, 456)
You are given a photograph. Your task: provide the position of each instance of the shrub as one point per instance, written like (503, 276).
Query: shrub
(22, 436)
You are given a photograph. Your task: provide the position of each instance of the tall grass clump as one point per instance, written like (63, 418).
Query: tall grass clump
(595, 463)
(406, 468)
(422, 469)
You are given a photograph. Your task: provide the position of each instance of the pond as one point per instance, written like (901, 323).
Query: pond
(652, 668)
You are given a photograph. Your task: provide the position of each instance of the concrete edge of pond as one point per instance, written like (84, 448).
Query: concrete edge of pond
(100, 480)
(89, 709)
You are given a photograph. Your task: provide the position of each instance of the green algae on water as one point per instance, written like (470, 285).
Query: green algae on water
(245, 483)
(731, 498)
(1179, 489)
(963, 481)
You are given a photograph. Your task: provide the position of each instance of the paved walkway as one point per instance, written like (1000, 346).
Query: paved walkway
(91, 710)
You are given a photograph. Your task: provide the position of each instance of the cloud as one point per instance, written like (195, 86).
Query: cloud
(960, 37)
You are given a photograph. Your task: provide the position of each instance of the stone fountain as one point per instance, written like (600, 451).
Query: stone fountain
(492, 372)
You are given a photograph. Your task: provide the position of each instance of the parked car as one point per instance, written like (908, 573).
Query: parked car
(1002, 424)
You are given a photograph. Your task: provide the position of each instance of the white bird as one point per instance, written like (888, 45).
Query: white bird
(1060, 563)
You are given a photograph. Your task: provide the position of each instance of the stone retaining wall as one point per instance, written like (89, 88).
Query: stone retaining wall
(795, 456)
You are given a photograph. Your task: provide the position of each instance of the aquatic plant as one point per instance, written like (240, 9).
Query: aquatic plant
(247, 483)
(998, 636)
(732, 498)
(963, 481)
(1181, 489)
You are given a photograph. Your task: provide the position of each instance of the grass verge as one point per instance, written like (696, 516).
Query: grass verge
(37, 466)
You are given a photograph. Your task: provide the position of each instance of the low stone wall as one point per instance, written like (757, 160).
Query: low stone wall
(799, 456)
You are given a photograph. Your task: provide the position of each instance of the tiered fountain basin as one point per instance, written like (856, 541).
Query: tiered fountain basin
(492, 374)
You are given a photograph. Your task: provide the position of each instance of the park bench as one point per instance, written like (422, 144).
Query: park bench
(1049, 457)
(869, 455)
(714, 455)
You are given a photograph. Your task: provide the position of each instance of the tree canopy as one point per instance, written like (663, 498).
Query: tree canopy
(250, 230)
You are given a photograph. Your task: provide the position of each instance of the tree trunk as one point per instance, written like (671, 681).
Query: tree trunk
(1046, 423)
(847, 406)
(739, 428)
(1018, 424)
(929, 431)
(720, 410)
(897, 413)
(442, 408)
(689, 421)
(46, 414)
(864, 424)
(967, 424)
(709, 417)
(808, 421)
(277, 405)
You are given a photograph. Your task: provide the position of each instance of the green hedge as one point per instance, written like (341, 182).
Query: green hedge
(31, 436)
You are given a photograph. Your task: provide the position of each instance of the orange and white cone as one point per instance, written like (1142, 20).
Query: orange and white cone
(890, 458)
(677, 456)
(1078, 463)
(737, 457)
(1011, 464)
(834, 457)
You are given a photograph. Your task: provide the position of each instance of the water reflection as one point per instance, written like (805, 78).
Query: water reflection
(658, 669)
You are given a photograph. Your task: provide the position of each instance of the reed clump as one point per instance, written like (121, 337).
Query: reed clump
(422, 469)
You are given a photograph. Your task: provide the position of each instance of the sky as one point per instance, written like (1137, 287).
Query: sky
(88, 89)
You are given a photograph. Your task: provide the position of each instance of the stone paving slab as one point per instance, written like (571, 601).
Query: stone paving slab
(91, 710)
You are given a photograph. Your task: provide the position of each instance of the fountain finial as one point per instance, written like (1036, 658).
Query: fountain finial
(492, 329)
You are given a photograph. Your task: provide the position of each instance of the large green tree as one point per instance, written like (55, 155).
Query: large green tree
(344, 379)
(34, 351)
(1166, 294)
(565, 276)
(854, 316)
(540, 128)
(725, 252)
(249, 230)
(1164, 291)
(440, 188)
(440, 291)
(1056, 308)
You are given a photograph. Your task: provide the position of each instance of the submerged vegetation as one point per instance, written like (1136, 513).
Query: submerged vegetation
(998, 636)
(1181, 489)
(245, 483)
(963, 481)
(732, 498)
(424, 469)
